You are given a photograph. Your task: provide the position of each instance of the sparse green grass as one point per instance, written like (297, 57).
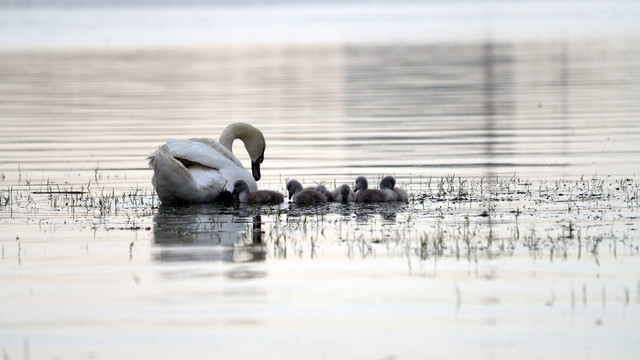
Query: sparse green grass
(465, 218)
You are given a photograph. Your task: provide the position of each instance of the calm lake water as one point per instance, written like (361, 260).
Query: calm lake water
(521, 158)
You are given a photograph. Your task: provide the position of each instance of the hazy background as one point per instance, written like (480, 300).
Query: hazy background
(411, 88)
(103, 24)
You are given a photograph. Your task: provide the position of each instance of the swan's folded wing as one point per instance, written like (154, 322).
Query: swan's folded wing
(204, 151)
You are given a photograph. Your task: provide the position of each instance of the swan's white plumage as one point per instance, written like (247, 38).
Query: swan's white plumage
(196, 170)
(204, 151)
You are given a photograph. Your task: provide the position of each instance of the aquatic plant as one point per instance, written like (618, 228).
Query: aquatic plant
(466, 218)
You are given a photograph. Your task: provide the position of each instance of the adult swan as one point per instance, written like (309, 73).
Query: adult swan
(197, 170)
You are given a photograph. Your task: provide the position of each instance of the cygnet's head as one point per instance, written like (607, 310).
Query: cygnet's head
(293, 186)
(239, 187)
(361, 183)
(321, 189)
(345, 191)
(388, 182)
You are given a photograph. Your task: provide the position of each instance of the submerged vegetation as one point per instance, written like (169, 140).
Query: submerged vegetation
(450, 216)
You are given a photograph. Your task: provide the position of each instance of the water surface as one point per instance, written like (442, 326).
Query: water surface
(520, 240)
(536, 109)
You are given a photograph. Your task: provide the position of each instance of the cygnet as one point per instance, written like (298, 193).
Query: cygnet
(346, 193)
(365, 195)
(299, 195)
(331, 195)
(241, 193)
(388, 185)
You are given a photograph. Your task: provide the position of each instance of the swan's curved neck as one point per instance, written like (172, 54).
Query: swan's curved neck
(250, 136)
(234, 131)
(229, 134)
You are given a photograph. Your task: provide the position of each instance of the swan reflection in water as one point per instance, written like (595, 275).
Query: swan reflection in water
(205, 233)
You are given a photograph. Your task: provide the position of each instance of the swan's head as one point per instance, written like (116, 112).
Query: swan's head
(238, 188)
(361, 183)
(321, 189)
(293, 186)
(253, 141)
(255, 162)
(345, 191)
(388, 182)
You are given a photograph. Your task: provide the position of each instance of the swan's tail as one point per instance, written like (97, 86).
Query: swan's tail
(170, 176)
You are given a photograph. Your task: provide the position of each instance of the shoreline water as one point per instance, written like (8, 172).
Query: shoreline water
(479, 261)
(519, 153)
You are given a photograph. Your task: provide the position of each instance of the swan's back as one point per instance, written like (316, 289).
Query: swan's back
(195, 170)
(210, 154)
(171, 179)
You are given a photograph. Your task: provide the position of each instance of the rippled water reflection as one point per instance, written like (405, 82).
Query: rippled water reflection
(505, 264)
(538, 110)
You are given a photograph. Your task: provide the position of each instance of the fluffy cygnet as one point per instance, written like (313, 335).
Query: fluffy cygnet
(346, 193)
(388, 185)
(242, 194)
(365, 195)
(299, 195)
(331, 195)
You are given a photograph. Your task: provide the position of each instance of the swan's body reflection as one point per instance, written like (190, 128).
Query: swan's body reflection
(204, 233)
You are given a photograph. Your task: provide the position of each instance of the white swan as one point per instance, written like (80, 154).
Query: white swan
(197, 170)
